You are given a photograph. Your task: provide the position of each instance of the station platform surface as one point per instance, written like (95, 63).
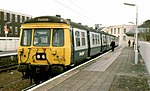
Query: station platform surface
(110, 72)
(8, 53)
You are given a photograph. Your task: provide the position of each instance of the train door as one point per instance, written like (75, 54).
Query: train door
(58, 48)
(80, 45)
(72, 45)
(104, 43)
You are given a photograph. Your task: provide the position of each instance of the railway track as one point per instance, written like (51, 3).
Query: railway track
(8, 61)
(8, 67)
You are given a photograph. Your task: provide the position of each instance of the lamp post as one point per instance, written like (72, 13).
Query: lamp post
(6, 32)
(136, 33)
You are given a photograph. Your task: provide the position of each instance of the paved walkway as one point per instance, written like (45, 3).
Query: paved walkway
(8, 53)
(103, 75)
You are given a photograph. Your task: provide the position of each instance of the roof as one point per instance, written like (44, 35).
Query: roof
(7, 11)
(132, 32)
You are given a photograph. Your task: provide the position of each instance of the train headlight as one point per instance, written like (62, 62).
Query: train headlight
(43, 56)
(38, 56)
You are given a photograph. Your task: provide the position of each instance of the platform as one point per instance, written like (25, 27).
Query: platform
(8, 53)
(102, 74)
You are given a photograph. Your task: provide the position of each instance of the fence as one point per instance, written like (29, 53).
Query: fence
(9, 43)
(145, 52)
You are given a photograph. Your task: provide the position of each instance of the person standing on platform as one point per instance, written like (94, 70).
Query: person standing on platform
(112, 45)
(129, 43)
(133, 44)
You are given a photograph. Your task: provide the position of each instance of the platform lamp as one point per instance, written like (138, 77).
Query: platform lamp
(136, 33)
(6, 32)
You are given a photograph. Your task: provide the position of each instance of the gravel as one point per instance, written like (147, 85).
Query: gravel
(12, 81)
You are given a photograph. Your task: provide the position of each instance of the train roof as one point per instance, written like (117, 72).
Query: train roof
(47, 19)
(56, 19)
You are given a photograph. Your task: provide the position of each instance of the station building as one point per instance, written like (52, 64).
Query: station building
(13, 21)
(120, 32)
(10, 23)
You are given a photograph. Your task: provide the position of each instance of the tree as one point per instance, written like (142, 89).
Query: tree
(146, 33)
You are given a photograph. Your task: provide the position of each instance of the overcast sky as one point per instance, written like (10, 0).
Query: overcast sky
(87, 12)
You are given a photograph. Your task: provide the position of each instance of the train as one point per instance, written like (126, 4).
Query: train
(51, 44)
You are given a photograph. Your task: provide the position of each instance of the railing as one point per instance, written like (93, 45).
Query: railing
(145, 52)
(9, 43)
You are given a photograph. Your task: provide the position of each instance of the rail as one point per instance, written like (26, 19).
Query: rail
(8, 60)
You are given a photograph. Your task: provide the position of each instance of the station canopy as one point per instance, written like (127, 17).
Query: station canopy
(132, 32)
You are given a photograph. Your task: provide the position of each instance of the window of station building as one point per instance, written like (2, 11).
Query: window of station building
(28, 18)
(124, 38)
(16, 30)
(5, 16)
(10, 17)
(25, 18)
(114, 30)
(124, 30)
(118, 36)
(20, 19)
(0, 15)
(11, 29)
(118, 30)
(111, 30)
(0, 29)
(16, 18)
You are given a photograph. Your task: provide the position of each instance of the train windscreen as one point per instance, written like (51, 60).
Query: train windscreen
(41, 37)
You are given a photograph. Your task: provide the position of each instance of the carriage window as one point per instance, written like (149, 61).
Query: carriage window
(93, 39)
(77, 34)
(83, 38)
(42, 37)
(98, 39)
(104, 39)
(58, 37)
(26, 37)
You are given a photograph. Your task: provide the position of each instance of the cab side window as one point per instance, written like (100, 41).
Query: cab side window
(26, 37)
(58, 38)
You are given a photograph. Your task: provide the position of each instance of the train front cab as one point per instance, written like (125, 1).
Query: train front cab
(44, 48)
